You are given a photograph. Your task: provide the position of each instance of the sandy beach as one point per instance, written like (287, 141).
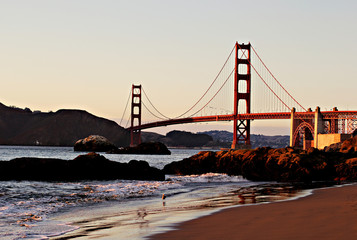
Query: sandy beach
(326, 214)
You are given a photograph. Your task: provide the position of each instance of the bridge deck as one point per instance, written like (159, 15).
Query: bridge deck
(249, 116)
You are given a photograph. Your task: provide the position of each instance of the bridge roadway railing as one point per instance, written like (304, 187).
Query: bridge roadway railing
(249, 116)
(213, 118)
(339, 114)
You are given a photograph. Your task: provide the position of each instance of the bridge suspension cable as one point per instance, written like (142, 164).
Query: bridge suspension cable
(159, 115)
(265, 81)
(126, 106)
(163, 116)
(275, 78)
(216, 98)
(152, 112)
(219, 73)
(214, 94)
(274, 92)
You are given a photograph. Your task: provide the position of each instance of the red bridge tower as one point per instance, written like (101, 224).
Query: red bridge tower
(135, 115)
(242, 87)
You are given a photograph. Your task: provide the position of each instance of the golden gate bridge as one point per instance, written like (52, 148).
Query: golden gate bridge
(229, 98)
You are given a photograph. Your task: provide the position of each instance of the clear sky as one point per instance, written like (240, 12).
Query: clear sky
(85, 54)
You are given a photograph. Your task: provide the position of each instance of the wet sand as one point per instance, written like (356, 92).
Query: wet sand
(326, 214)
(137, 219)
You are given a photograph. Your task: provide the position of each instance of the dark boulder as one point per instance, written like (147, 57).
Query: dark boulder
(203, 162)
(94, 143)
(335, 147)
(91, 166)
(347, 169)
(349, 145)
(33, 169)
(95, 166)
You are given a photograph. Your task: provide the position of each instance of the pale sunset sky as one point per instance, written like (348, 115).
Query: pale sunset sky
(85, 54)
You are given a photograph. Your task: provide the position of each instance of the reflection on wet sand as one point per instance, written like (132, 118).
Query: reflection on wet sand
(146, 220)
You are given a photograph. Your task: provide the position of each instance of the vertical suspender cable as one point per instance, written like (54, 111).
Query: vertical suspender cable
(126, 106)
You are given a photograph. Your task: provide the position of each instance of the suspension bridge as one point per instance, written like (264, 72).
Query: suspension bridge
(244, 90)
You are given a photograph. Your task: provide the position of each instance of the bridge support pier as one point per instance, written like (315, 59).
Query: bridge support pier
(302, 129)
(319, 126)
(307, 128)
(292, 127)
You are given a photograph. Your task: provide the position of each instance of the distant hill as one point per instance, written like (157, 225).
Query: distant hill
(178, 139)
(212, 139)
(277, 141)
(225, 138)
(61, 128)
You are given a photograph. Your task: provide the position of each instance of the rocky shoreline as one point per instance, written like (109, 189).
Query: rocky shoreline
(335, 163)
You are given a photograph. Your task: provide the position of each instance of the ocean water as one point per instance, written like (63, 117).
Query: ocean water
(92, 209)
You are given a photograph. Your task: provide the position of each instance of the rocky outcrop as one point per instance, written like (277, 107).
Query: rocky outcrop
(347, 170)
(149, 148)
(347, 146)
(268, 164)
(94, 143)
(335, 147)
(91, 166)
